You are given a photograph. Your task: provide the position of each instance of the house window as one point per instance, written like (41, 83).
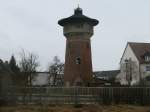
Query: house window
(147, 58)
(147, 68)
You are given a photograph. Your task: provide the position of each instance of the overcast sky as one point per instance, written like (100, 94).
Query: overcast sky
(32, 25)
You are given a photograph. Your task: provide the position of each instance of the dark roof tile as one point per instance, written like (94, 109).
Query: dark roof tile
(109, 74)
(139, 50)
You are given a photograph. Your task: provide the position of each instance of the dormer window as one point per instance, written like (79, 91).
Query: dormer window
(147, 58)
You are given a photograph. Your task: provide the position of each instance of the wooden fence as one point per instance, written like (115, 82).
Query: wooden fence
(79, 95)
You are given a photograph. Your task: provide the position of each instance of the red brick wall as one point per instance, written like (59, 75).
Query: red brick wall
(78, 47)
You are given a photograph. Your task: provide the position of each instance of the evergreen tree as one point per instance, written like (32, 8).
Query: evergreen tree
(12, 63)
(16, 76)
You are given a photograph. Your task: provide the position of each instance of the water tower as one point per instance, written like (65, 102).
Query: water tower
(78, 30)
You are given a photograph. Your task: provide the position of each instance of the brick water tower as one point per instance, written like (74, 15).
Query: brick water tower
(78, 30)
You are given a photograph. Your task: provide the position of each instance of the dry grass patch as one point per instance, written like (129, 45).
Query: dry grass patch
(69, 108)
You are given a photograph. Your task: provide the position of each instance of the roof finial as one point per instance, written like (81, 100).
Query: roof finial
(78, 5)
(78, 11)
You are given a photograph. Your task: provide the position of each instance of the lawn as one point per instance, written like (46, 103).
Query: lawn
(67, 108)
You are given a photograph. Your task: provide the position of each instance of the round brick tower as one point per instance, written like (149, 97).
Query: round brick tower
(78, 30)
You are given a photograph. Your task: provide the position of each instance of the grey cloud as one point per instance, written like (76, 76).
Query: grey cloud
(32, 25)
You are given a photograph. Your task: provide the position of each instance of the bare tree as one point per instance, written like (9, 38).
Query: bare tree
(28, 65)
(56, 71)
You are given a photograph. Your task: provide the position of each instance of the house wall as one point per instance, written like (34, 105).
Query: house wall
(129, 54)
(143, 70)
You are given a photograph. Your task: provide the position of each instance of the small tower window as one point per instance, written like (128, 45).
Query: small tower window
(78, 60)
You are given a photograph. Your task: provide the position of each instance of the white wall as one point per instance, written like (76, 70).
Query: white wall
(129, 54)
(41, 79)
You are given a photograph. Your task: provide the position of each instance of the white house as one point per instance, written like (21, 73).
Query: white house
(44, 79)
(135, 64)
(41, 78)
